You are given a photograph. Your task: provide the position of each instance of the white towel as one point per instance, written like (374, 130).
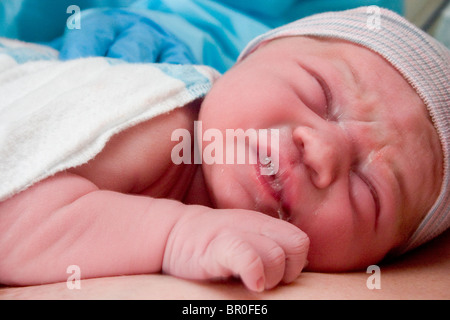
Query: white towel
(57, 115)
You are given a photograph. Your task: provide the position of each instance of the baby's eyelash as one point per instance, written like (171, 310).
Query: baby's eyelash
(328, 96)
(327, 92)
(372, 190)
(334, 114)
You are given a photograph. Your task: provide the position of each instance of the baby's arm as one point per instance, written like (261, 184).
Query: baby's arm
(66, 220)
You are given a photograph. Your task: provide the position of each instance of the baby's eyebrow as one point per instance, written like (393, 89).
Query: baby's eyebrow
(353, 73)
(395, 177)
(399, 177)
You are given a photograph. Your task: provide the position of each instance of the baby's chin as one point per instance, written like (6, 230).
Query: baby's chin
(342, 258)
(322, 264)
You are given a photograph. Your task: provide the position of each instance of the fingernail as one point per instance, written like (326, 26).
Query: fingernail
(260, 285)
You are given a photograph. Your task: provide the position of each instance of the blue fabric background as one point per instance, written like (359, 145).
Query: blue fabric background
(214, 30)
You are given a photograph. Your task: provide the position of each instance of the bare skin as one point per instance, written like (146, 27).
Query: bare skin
(114, 215)
(131, 210)
(360, 161)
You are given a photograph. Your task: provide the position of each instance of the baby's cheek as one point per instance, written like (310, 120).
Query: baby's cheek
(332, 236)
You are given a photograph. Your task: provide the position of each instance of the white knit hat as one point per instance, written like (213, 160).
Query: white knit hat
(423, 62)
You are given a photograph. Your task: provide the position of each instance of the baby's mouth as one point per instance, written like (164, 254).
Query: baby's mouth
(272, 178)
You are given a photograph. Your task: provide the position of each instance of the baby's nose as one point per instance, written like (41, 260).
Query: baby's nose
(325, 153)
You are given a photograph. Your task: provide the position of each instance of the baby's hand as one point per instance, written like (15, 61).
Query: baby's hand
(214, 244)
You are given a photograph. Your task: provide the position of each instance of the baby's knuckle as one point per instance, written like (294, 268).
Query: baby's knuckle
(253, 262)
(235, 244)
(276, 255)
(300, 242)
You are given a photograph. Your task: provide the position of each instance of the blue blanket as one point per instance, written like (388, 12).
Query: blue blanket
(214, 30)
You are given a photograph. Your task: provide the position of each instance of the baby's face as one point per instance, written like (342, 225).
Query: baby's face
(360, 162)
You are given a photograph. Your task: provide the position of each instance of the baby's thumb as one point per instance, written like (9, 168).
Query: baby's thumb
(242, 260)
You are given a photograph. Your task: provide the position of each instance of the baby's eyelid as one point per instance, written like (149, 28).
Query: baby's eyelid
(327, 92)
(372, 190)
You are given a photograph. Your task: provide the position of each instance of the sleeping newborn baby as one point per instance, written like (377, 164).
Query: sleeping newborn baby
(362, 169)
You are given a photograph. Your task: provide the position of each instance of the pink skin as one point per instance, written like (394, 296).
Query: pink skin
(359, 156)
(115, 216)
(365, 146)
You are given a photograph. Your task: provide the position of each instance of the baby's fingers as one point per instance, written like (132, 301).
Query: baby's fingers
(295, 244)
(240, 258)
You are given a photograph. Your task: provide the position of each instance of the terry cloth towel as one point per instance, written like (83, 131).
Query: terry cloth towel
(56, 115)
(423, 62)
